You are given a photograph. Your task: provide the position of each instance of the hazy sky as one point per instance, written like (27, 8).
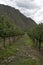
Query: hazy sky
(30, 8)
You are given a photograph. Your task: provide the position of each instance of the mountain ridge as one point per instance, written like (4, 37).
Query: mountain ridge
(17, 17)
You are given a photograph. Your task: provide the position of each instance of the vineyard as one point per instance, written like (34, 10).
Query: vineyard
(19, 47)
(8, 30)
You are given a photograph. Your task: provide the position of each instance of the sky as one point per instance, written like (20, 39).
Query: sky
(30, 8)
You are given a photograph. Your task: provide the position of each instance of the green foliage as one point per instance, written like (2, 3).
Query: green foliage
(37, 33)
(8, 29)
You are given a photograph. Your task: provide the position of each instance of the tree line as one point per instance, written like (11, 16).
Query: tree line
(8, 29)
(37, 35)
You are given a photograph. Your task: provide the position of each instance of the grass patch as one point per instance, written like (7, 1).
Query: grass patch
(12, 49)
(25, 61)
(8, 51)
(20, 44)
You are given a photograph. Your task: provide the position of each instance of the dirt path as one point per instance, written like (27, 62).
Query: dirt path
(23, 52)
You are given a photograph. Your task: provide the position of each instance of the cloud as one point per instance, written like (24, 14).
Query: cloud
(27, 4)
(38, 17)
(30, 8)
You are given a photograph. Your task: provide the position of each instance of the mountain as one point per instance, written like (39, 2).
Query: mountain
(17, 17)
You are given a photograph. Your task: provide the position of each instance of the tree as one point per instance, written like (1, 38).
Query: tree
(6, 28)
(2, 28)
(37, 34)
